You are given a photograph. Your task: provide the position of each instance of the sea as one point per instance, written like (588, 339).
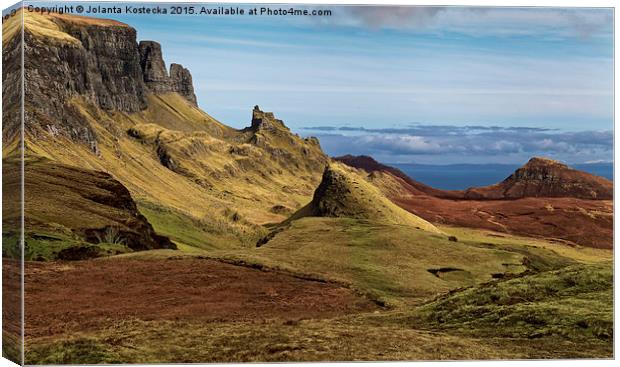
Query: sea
(463, 176)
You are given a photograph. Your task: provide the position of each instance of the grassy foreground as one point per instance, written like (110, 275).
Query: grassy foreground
(394, 264)
(556, 314)
(476, 296)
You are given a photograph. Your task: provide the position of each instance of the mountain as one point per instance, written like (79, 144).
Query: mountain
(344, 194)
(543, 177)
(464, 176)
(97, 99)
(544, 198)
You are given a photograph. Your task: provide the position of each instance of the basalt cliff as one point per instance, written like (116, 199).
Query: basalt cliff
(97, 61)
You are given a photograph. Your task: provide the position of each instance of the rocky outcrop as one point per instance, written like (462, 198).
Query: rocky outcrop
(266, 121)
(96, 60)
(154, 71)
(543, 177)
(157, 78)
(182, 82)
(289, 149)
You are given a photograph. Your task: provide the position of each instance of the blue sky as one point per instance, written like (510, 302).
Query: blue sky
(401, 67)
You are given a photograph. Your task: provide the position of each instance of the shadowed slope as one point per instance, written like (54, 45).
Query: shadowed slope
(68, 209)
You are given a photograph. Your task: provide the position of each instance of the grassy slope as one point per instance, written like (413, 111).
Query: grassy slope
(216, 181)
(343, 192)
(171, 111)
(193, 235)
(554, 252)
(389, 262)
(37, 25)
(572, 302)
(307, 340)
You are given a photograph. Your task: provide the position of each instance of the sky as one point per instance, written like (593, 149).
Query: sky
(434, 85)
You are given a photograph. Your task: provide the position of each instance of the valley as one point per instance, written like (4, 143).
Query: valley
(155, 233)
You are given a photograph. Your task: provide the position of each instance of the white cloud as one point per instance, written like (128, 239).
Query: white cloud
(481, 144)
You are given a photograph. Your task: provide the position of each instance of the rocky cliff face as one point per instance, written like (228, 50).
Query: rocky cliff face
(182, 82)
(157, 78)
(11, 90)
(67, 57)
(96, 62)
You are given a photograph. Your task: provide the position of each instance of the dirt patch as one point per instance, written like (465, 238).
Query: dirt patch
(11, 301)
(528, 217)
(88, 295)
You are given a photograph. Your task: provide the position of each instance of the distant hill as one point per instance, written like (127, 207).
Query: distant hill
(543, 198)
(464, 176)
(543, 177)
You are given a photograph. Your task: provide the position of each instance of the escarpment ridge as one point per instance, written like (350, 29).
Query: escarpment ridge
(96, 60)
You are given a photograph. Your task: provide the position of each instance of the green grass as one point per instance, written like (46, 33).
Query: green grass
(554, 253)
(191, 234)
(575, 303)
(77, 350)
(46, 246)
(11, 347)
(388, 262)
(10, 246)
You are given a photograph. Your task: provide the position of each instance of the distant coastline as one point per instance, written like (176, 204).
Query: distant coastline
(463, 176)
